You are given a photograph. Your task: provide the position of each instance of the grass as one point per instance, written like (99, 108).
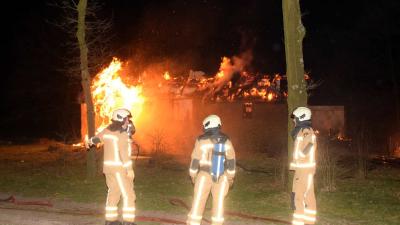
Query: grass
(374, 201)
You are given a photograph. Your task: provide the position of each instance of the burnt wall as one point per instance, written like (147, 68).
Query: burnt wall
(172, 126)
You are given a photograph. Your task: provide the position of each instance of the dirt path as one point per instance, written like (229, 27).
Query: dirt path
(14, 216)
(73, 213)
(26, 217)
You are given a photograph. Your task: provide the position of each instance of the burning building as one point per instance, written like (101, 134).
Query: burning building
(168, 109)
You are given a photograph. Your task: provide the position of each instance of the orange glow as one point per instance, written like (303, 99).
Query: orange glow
(167, 76)
(253, 92)
(225, 65)
(270, 97)
(109, 93)
(262, 93)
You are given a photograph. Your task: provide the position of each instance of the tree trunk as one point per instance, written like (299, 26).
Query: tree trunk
(294, 32)
(86, 81)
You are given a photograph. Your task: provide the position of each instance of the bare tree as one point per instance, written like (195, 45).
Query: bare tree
(98, 36)
(87, 51)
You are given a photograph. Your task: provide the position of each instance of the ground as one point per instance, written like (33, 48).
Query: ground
(73, 213)
(56, 173)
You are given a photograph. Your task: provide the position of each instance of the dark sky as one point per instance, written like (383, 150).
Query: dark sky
(352, 46)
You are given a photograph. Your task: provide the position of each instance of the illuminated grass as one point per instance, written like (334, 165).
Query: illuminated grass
(374, 201)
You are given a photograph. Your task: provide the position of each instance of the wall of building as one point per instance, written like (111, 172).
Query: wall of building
(173, 125)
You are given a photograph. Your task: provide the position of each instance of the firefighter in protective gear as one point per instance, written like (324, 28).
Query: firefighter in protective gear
(304, 165)
(117, 167)
(212, 169)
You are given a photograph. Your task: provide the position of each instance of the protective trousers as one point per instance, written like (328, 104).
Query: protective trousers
(119, 184)
(202, 188)
(304, 197)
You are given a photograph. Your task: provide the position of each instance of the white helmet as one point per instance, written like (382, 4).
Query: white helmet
(302, 113)
(121, 114)
(211, 121)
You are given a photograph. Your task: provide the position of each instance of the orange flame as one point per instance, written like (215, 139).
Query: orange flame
(110, 93)
(167, 76)
(270, 97)
(225, 67)
(220, 74)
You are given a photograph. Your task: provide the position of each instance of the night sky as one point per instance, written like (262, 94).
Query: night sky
(351, 46)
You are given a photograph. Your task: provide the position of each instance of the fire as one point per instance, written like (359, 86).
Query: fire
(167, 76)
(109, 93)
(220, 74)
(270, 97)
(225, 67)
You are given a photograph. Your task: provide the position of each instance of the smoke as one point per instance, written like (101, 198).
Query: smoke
(228, 68)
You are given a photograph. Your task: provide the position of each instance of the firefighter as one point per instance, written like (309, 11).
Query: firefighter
(303, 163)
(212, 168)
(117, 167)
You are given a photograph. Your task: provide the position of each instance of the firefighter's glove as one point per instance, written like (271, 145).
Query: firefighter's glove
(130, 174)
(88, 142)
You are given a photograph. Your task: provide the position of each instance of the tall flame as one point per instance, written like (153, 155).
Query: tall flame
(110, 93)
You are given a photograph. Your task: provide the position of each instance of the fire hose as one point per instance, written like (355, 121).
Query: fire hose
(77, 212)
(12, 199)
(251, 170)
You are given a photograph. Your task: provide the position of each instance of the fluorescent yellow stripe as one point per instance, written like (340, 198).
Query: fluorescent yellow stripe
(193, 217)
(312, 153)
(220, 208)
(309, 211)
(296, 150)
(205, 162)
(112, 163)
(130, 216)
(192, 171)
(122, 188)
(111, 215)
(197, 199)
(304, 217)
(129, 209)
(298, 216)
(111, 208)
(217, 219)
(205, 147)
(309, 218)
(302, 165)
(295, 222)
(309, 181)
(231, 172)
(127, 164)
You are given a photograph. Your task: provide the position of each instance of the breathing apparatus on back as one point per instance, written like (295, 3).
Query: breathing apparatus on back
(212, 126)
